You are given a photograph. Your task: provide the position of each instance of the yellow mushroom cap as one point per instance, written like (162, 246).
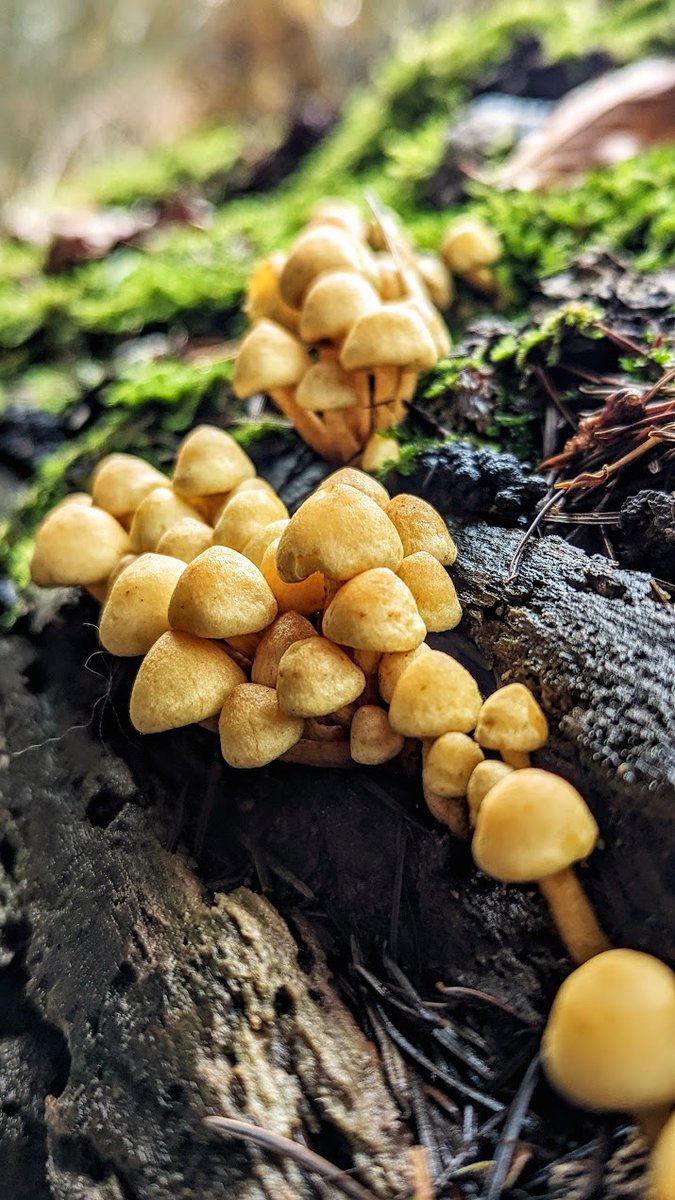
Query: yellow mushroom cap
(305, 597)
(290, 627)
(392, 666)
(209, 461)
(121, 481)
(160, 510)
(433, 323)
(662, 1164)
(136, 611)
(469, 244)
(319, 248)
(511, 719)
(253, 729)
(339, 531)
(182, 680)
(437, 279)
(484, 777)
(421, 527)
(257, 544)
(449, 762)
(326, 388)
(246, 514)
(352, 477)
(393, 336)
(435, 694)
(371, 738)
(531, 825)
(433, 591)
(269, 357)
(263, 298)
(610, 1038)
(389, 282)
(221, 594)
(374, 611)
(378, 451)
(342, 213)
(78, 544)
(315, 678)
(186, 539)
(334, 303)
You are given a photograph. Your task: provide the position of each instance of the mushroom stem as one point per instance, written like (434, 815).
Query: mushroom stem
(650, 1121)
(451, 811)
(341, 437)
(386, 389)
(404, 394)
(308, 424)
(573, 914)
(319, 754)
(515, 758)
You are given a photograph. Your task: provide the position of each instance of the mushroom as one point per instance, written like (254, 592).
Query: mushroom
(79, 544)
(328, 390)
(182, 680)
(391, 667)
(421, 527)
(263, 298)
(136, 611)
(435, 694)
(609, 1043)
(469, 244)
(186, 539)
(305, 597)
(531, 828)
(339, 531)
(386, 342)
(380, 451)
(512, 722)
(662, 1165)
(433, 591)
(221, 594)
(290, 627)
(436, 279)
(253, 729)
(371, 738)
(484, 776)
(352, 477)
(246, 514)
(210, 462)
(161, 509)
(319, 249)
(342, 213)
(120, 481)
(315, 678)
(448, 763)
(374, 611)
(334, 303)
(260, 540)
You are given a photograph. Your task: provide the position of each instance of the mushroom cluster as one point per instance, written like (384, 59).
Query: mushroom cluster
(340, 328)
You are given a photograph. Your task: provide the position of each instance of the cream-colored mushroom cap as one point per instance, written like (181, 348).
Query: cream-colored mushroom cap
(120, 481)
(393, 336)
(511, 719)
(182, 680)
(78, 544)
(186, 539)
(315, 678)
(320, 248)
(326, 388)
(257, 544)
(421, 527)
(662, 1164)
(339, 531)
(378, 451)
(469, 244)
(531, 825)
(124, 562)
(374, 611)
(436, 279)
(434, 695)
(449, 762)
(209, 461)
(610, 1038)
(389, 282)
(136, 611)
(352, 477)
(290, 627)
(269, 357)
(74, 498)
(334, 303)
(371, 738)
(246, 514)
(484, 777)
(433, 591)
(263, 298)
(392, 666)
(253, 729)
(305, 597)
(433, 323)
(221, 594)
(160, 510)
(342, 213)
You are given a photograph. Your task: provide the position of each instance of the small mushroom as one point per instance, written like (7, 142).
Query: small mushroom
(448, 764)
(120, 481)
(352, 477)
(371, 738)
(469, 244)
(342, 213)
(512, 722)
(253, 729)
(263, 298)
(339, 531)
(374, 611)
(531, 828)
(261, 539)
(484, 777)
(246, 514)
(392, 666)
(436, 279)
(380, 451)
(386, 342)
(79, 544)
(306, 597)
(662, 1164)
(433, 591)
(221, 594)
(315, 678)
(319, 249)
(136, 611)
(209, 462)
(328, 390)
(421, 527)
(182, 680)
(333, 304)
(161, 509)
(435, 694)
(290, 627)
(186, 539)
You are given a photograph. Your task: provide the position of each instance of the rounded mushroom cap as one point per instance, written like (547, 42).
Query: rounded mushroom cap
(257, 544)
(341, 213)
(186, 539)
(468, 244)
(511, 719)
(393, 336)
(269, 357)
(290, 627)
(339, 531)
(392, 666)
(319, 248)
(371, 738)
(435, 694)
(531, 825)
(449, 762)
(334, 303)
(316, 677)
(389, 282)
(662, 1164)
(246, 514)
(610, 1038)
(182, 680)
(433, 323)
(437, 279)
(352, 477)
(221, 594)
(136, 611)
(433, 591)
(305, 597)
(253, 729)
(378, 451)
(484, 777)
(263, 298)
(374, 611)
(78, 544)
(120, 481)
(161, 510)
(421, 527)
(326, 388)
(209, 461)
